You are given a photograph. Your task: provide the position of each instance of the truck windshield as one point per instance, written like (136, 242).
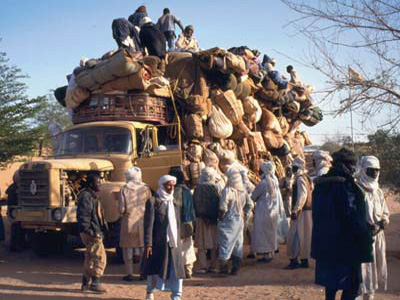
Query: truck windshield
(96, 139)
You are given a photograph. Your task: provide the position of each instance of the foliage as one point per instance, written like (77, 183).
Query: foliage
(386, 146)
(355, 45)
(18, 129)
(51, 111)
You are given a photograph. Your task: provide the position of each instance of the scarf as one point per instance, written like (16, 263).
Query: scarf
(268, 168)
(172, 230)
(362, 178)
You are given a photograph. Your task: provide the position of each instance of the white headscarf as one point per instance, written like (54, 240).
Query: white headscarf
(208, 174)
(172, 230)
(268, 168)
(234, 178)
(134, 174)
(249, 186)
(364, 163)
(322, 160)
(300, 163)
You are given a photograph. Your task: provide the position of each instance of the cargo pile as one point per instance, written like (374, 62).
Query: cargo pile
(229, 104)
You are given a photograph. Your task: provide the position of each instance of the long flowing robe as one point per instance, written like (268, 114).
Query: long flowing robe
(132, 207)
(266, 216)
(374, 274)
(299, 237)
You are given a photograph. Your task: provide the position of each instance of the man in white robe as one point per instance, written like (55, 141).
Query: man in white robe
(374, 274)
(299, 239)
(266, 215)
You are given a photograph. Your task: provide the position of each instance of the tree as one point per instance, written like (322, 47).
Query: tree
(355, 45)
(51, 111)
(18, 130)
(386, 146)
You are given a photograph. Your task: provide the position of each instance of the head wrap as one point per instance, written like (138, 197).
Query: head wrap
(208, 175)
(229, 157)
(189, 27)
(268, 168)
(299, 162)
(234, 178)
(141, 9)
(364, 163)
(172, 230)
(342, 159)
(249, 186)
(144, 21)
(322, 161)
(134, 174)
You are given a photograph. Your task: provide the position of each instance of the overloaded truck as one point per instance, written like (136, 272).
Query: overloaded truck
(127, 112)
(49, 188)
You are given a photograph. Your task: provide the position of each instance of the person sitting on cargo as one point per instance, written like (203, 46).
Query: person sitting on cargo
(152, 40)
(166, 24)
(186, 41)
(138, 15)
(126, 35)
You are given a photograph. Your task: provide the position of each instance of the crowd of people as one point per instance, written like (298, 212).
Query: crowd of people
(138, 33)
(336, 215)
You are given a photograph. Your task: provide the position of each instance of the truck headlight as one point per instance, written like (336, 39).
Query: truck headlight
(12, 213)
(57, 214)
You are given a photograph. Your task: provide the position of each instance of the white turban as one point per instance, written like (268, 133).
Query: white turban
(299, 162)
(134, 174)
(229, 157)
(208, 174)
(322, 161)
(234, 178)
(364, 163)
(144, 21)
(172, 230)
(268, 168)
(165, 178)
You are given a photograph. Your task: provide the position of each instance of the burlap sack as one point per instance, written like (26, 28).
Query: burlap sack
(136, 81)
(120, 64)
(75, 94)
(240, 131)
(195, 152)
(235, 62)
(218, 124)
(194, 127)
(230, 105)
(271, 130)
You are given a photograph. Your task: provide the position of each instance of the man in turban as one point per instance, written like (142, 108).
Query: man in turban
(342, 237)
(234, 209)
(134, 195)
(299, 239)
(269, 205)
(163, 262)
(374, 274)
(206, 201)
(322, 161)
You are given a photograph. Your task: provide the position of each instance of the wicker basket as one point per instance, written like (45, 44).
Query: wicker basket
(128, 107)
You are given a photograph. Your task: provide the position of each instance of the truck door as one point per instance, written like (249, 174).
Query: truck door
(159, 148)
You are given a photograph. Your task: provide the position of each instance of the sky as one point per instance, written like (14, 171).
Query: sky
(47, 38)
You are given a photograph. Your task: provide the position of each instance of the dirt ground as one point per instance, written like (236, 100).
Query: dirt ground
(24, 275)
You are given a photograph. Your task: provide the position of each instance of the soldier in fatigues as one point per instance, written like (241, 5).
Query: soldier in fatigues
(91, 225)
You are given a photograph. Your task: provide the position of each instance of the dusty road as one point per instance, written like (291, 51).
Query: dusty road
(23, 275)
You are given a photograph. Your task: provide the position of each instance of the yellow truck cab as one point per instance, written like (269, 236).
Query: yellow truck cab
(48, 191)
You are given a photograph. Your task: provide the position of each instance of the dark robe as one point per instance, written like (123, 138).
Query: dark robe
(155, 235)
(153, 40)
(341, 238)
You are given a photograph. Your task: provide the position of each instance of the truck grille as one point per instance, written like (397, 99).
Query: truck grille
(34, 188)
